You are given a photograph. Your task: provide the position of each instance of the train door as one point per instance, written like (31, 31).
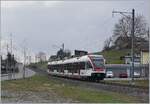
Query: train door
(82, 68)
(88, 68)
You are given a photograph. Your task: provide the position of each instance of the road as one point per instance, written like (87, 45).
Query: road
(19, 75)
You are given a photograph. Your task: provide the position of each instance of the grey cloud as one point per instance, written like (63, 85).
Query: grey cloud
(80, 25)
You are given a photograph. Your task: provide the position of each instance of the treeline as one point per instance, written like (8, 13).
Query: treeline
(61, 54)
(9, 64)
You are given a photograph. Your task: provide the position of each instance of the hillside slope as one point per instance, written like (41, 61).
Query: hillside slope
(113, 56)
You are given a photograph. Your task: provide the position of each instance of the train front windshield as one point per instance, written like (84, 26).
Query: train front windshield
(98, 63)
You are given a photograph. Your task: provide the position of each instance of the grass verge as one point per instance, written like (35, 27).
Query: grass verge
(42, 83)
(113, 56)
(140, 83)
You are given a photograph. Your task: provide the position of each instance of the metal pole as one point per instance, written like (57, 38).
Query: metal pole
(132, 40)
(11, 43)
(132, 47)
(148, 32)
(63, 51)
(0, 53)
(24, 63)
(11, 53)
(7, 61)
(63, 46)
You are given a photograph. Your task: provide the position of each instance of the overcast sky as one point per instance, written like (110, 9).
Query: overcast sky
(78, 24)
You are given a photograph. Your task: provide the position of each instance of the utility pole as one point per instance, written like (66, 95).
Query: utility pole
(10, 67)
(12, 57)
(132, 36)
(24, 57)
(63, 47)
(24, 52)
(11, 43)
(7, 60)
(132, 49)
(148, 33)
(0, 52)
(63, 51)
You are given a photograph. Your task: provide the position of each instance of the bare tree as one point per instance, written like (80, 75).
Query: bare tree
(63, 53)
(122, 31)
(107, 43)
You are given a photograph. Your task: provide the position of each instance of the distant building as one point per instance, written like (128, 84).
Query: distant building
(53, 58)
(80, 52)
(145, 62)
(145, 57)
(28, 60)
(40, 57)
(128, 59)
(3, 66)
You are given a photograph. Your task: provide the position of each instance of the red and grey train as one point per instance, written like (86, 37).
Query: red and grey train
(89, 67)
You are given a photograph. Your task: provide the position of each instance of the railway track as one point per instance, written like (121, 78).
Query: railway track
(137, 91)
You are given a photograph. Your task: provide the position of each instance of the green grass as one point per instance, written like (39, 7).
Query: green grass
(113, 56)
(89, 96)
(141, 83)
(6, 97)
(42, 83)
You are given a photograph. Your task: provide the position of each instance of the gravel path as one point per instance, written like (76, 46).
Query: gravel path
(33, 97)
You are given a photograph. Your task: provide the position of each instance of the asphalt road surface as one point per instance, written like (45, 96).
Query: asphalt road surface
(19, 75)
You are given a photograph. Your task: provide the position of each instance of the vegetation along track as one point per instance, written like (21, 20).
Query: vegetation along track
(141, 92)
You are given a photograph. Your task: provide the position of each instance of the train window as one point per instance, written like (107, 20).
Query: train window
(69, 71)
(52, 67)
(58, 68)
(76, 71)
(65, 66)
(62, 68)
(68, 67)
(82, 65)
(71, 66)
(98, 62)
(78, 66)
(48, 66)
(89, 65)
(75, 67)
(55, 67)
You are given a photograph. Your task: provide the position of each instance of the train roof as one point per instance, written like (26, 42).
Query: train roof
(75, 59)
